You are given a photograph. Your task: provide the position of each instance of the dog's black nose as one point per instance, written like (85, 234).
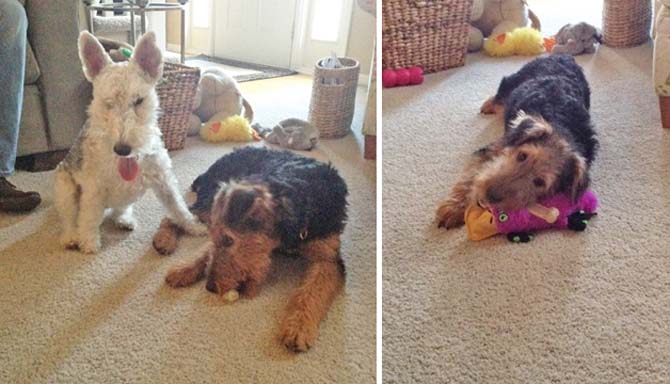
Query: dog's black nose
(211, 286)
(493, 196)
(122, 149)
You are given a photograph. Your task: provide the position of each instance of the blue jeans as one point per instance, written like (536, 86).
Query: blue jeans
(13, 36)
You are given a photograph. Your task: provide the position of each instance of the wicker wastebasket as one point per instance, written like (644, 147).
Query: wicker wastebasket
(176, 91)
(331, 108)
(626, 22)
(432, 34)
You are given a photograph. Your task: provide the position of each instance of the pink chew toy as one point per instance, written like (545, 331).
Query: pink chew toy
(402, 76)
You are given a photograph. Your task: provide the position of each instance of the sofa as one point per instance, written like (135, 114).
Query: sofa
(55, 92)
(661, 58)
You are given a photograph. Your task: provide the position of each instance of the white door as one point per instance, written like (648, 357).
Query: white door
(256, 31)
(325, 28)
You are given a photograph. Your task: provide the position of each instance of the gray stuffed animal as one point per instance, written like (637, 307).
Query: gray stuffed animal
(290, 133)
(575, 39)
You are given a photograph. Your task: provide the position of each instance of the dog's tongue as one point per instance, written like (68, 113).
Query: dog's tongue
(128, 168)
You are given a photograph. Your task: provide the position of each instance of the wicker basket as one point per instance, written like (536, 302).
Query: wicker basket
(176, 91)
(331, 108)
(432, 34)
(626, 22)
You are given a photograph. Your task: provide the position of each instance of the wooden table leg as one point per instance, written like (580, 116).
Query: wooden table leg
(664, 103)
(370, 149)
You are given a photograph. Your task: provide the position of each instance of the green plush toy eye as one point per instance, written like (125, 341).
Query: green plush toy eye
(502, 217)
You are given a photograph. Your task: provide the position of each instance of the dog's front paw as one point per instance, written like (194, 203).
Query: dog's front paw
(165, 241)
(488, 107)
(89, 244)
(69, 241)
(448, 216)
(298, 333)
(181, 277)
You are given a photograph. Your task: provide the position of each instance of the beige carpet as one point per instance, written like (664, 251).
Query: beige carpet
(66, 317)
(568, 308)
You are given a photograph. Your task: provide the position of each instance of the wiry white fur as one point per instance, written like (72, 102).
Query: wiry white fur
(87, 181)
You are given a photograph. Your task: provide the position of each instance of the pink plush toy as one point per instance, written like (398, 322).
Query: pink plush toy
(557, 212)
(402, 76)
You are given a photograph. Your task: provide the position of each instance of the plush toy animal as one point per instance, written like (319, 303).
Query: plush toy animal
(290, 133)
(575, 39)
(558, 212)
(526, 41)
(218, 94)
(228, 128)
(494, 17)
(118, 51)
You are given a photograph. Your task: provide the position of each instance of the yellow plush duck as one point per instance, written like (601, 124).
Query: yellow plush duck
(232, 128)
(526, 41)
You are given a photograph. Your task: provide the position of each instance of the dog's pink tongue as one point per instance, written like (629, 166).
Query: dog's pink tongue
(128, 168)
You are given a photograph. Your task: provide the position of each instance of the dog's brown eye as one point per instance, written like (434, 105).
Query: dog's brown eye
(538, 182)
(521, 157)
(226, 241)
(138, 101)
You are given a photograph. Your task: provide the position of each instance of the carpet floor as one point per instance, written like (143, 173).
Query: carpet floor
(592, 307)
(66, 317)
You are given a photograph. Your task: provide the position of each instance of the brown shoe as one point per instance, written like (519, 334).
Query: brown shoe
(13, 200)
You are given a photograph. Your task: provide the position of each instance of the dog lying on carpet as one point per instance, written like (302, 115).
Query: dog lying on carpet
(258, 201)
(547, 148)
(119, 153)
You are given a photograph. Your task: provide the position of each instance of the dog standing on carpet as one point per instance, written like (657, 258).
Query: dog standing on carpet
(119, 154)
(258, 201)
(547, 148)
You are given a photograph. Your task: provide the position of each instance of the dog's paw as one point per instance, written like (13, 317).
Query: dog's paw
(69, 241)
(298, 334)
(195, 229)
(180, 277)
(165, 242)
(448, 217)
(489, 107)
(126, 223)
(90, 245)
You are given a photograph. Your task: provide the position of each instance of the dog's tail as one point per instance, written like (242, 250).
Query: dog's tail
(248, 111)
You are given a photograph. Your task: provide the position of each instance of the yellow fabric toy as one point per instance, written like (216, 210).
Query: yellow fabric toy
(231, 128)
(479, 223)
(526, 41)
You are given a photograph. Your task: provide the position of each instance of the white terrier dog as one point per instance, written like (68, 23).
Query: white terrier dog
(119, 153)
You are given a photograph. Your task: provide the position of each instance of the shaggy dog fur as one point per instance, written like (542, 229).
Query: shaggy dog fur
(121, 130)
(548, 145)
(258, 201)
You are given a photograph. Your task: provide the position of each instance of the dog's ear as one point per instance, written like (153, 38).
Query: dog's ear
(240, 202)
(575, 177)
(148, 57)
(525, 129)
(92, 55)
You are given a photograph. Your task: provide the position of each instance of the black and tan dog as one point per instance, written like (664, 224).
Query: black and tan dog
(547, 148)
(257, 201)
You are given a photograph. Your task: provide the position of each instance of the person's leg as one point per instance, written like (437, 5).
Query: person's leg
(13, 36)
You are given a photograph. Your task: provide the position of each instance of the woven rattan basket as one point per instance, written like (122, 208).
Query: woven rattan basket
(176, 91)
(626, 22)
(432, 34)
(331, 108)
